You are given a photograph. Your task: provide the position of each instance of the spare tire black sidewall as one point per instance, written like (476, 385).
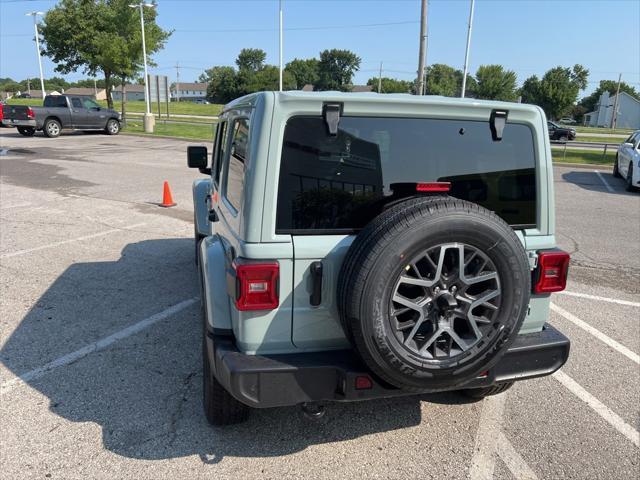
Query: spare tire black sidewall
(400, 366)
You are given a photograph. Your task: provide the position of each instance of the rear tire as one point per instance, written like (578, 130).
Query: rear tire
(487, 391)
(220, 407)
(52, 128)
(27, 131)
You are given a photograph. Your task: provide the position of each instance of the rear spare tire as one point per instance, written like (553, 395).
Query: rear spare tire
(433, 291)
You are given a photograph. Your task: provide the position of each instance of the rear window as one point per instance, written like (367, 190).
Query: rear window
(55, 101)
(338, 184)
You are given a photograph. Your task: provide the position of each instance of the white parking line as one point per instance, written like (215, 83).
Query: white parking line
(16, 205)
(513, 460)
(490, 441)
(600, 299)
(605, 412)
(597, 333)
(606, 184)
(71, 240)
(95, 346)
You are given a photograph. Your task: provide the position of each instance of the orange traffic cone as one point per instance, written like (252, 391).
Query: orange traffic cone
(167, 200)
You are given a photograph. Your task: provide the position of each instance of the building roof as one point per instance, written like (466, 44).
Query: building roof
(135, 88)
(361, 88)
(82, 91)
(38, 93)
(199, 86)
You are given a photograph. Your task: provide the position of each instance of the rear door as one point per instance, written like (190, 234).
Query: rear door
(78, 113)
(330, 187)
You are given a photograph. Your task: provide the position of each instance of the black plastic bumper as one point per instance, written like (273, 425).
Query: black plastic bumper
(280, 380)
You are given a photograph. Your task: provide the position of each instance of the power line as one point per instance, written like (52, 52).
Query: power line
(326, 27)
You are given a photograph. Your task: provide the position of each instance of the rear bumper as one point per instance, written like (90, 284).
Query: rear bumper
(10, 123)
(281, 380)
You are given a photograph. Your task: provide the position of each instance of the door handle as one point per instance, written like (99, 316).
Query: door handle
(316, 284)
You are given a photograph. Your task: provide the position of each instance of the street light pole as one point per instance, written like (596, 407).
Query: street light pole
(35, 27)
(148, 119)
(280, 46)
(422, 50)
(466, 53)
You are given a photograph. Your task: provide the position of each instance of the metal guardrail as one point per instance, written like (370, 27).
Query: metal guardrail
(592, 146)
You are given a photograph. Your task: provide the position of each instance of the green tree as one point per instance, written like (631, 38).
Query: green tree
(223, 84)
(304, 72)
(268, 78)
(336, 69)
(557, 91)
(493, 82)
(100, 36)
(589, 102)
(251, 59)
(391, 85)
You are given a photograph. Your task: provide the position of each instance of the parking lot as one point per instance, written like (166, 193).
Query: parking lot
(100, 342)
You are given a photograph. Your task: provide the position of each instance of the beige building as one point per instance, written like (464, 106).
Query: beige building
(96, 94)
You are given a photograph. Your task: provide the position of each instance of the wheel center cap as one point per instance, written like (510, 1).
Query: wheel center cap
(445, 301)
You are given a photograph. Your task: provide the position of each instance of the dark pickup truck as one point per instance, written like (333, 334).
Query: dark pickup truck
(62, 112)
(20, 116)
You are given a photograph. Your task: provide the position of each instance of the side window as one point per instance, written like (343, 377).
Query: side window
(219, 150)
(237, 159)
(76, 103)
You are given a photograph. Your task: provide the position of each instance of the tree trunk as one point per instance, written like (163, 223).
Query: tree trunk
(124, 99)
(108, 88)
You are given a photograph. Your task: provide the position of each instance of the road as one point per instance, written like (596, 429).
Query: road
(100, 355)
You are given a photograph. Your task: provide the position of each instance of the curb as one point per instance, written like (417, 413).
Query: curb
(583, 165)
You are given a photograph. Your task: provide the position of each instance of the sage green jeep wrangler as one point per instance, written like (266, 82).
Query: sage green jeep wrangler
(359, 246)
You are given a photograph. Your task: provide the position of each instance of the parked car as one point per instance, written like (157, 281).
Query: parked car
(567, 121)
(20, 117)
(353, 247)
(560, 134)
(73, 112)
(201, 101)
(627, 163)
(24, 95)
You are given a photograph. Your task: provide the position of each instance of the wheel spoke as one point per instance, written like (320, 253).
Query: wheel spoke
(407, 302)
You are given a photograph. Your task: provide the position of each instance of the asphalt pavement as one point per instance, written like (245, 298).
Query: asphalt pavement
(100, 368)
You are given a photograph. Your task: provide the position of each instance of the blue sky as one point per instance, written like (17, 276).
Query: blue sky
(526, 36)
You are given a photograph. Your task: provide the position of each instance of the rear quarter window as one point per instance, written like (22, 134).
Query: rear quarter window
(337, 184)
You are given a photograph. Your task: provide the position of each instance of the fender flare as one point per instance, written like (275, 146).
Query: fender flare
(214, 286)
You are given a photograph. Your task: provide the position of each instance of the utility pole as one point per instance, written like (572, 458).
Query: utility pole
(35, 27)
(280, 42)
(466, 53)
(380, 79)
(423, 50)
(28, 86)
(95, 88)
(614, 115)
(177, 82)
(148, 120)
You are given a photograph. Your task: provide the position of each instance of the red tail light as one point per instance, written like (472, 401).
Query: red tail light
(30, 113)
(551, 274)
(1, 111)
(433, 187)
(257, 286)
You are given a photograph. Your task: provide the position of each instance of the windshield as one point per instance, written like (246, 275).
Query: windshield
(341, 182)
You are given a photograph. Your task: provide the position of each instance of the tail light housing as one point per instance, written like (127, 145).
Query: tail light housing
(30, 113)
(257, 285)
(551, 273)
(1, 111)
(433, 186)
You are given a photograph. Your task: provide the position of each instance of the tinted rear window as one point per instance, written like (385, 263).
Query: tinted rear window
(55, 101)
(338, 184)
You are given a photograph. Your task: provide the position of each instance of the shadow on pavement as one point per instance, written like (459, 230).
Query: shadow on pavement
(589, 180)
(145, 390)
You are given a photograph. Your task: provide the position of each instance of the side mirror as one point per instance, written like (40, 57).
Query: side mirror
(197, 157)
